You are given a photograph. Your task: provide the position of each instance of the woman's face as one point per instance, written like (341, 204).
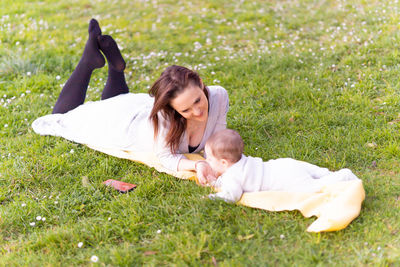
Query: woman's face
(192, 104)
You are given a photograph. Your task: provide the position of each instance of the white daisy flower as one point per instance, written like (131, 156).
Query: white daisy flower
(94, 258)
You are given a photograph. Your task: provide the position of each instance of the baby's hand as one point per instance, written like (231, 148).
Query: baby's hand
(211, 178)
(203, 170)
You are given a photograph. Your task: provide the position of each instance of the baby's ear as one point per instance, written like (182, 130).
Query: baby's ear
(225, 163)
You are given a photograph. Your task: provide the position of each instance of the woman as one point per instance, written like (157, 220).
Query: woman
(177, 116)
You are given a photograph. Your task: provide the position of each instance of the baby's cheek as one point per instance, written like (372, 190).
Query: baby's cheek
(213, 166)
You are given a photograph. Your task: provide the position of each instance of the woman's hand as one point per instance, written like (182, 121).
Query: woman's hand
(204, 172)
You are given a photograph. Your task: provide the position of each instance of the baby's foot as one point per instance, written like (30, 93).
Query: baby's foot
(347, 174)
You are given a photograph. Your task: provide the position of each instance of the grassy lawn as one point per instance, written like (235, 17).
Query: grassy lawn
(313, 80)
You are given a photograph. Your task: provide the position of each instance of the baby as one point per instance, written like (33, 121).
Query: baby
(238, 174)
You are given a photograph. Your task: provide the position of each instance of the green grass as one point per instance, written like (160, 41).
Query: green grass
(313, 80)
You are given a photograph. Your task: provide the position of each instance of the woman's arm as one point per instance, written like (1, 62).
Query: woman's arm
(177, 162)
(186, 165)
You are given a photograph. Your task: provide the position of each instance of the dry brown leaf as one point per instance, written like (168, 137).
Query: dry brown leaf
(149, 252)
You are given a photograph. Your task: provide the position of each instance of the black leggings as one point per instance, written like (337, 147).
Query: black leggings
(73, 93)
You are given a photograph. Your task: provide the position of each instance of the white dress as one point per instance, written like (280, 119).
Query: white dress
(251, 174)
(122, 122)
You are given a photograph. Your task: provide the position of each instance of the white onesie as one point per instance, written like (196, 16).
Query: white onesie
(251, 174)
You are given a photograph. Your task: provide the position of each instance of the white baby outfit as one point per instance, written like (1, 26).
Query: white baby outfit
(122, 122)
(251, 174)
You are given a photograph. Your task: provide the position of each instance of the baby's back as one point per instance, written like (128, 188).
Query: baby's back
(252, 173)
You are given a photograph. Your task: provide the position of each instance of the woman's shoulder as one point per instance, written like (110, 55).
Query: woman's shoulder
(217, 94)
(217, 90)
(218, 98)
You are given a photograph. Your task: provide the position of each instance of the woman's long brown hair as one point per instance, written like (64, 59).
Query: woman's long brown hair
(172, 82)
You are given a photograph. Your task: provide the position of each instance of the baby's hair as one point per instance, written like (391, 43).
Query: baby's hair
(226, 144)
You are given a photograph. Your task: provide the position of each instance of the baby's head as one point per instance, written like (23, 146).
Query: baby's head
(223, 149)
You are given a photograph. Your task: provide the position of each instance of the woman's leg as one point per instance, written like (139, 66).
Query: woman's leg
(116, 83)
(74, 91)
